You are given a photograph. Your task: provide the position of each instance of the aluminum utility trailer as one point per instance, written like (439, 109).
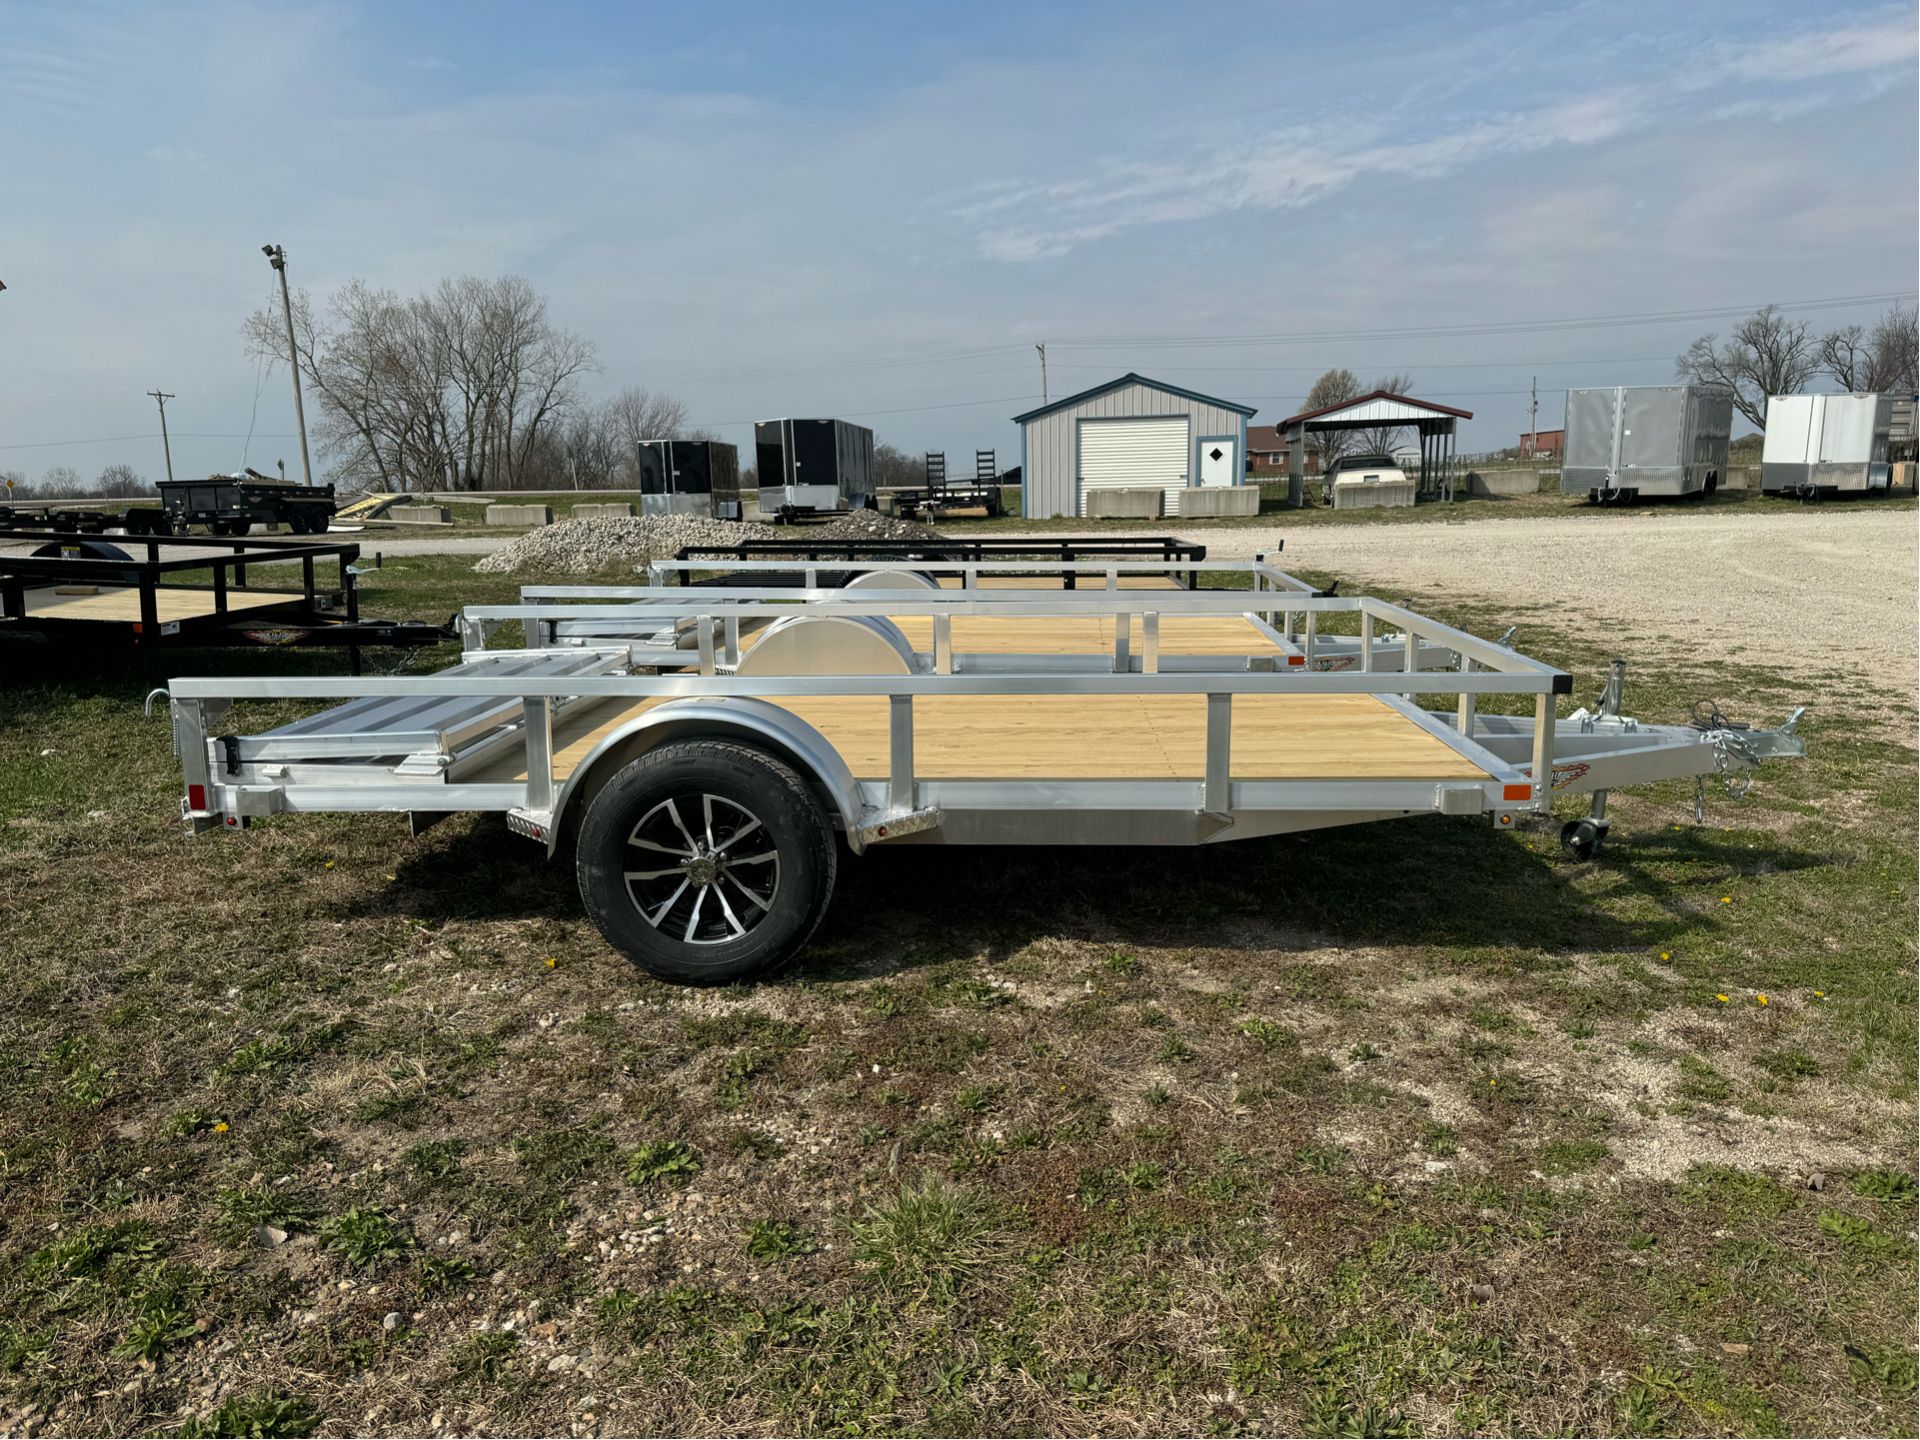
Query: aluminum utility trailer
(88, 589)
(701, 748)
(1628, 441)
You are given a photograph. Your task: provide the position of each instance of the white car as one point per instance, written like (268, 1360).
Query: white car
(1363, 470)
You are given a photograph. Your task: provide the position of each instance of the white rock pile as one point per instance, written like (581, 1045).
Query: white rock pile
(584, 547)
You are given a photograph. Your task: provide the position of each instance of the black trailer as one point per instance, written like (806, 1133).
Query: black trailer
(813, 467)
(1028, 549)
(81, 589)
(690, 477)
(233, 505)
(943, 493)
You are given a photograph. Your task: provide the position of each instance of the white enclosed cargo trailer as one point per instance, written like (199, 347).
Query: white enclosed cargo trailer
(1642, 440)
(708, 749)
(1826, 444)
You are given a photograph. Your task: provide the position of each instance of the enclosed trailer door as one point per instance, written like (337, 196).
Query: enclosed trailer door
(1591, 417)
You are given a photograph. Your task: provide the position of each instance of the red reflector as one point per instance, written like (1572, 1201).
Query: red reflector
(1516, 792)
(196, 797)
(1296, 659)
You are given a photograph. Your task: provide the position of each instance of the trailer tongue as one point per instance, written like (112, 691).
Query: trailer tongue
(702, 746)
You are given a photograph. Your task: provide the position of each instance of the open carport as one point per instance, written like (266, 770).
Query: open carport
(1378, 410)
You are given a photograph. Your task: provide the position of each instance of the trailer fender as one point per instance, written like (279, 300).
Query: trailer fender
(755, 721)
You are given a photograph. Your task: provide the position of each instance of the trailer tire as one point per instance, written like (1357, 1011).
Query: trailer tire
(704, 913)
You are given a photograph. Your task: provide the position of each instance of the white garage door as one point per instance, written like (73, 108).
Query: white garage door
(1134, 455)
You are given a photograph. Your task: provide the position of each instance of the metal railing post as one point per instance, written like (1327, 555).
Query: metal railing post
(1366, 641)
(1218, 793)
(1469, 704)
(943, 644)
(538, 713)
(1122, 643)
(1150, 642)
(900, 748)
(1411, 663)
(1543, 717)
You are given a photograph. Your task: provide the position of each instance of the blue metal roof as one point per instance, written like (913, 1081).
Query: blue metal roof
(1131, 378)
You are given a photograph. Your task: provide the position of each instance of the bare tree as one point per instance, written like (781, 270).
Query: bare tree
(1334, 387)
(121, 482)
(458, 387)
(638, 414)
(60, 482)
(1380, 439)
(1875, 362)
(895, 469)
(1768, 354)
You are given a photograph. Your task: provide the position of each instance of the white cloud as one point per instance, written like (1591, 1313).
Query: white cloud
(1301, 164)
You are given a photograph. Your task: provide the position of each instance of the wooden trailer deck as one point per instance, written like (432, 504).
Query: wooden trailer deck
(1081, 737)
(120, 605)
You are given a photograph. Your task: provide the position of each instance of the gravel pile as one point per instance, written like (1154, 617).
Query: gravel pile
(583, 547)
(868, 525)
(575, 547)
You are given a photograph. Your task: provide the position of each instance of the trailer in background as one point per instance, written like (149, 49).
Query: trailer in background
(690, 477)
(811, 467)
(1642, 440)
(82, 590)
(234, 504)
(1826, 444)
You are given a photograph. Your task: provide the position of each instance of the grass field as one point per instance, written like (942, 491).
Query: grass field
(1407, 1129)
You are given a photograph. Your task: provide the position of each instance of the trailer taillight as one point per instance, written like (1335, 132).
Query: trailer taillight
(196, 797)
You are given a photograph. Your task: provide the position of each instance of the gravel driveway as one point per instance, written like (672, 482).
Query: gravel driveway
(1803, 590)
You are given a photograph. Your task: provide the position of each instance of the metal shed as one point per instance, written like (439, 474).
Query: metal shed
(1377, 410)
(1140, 446)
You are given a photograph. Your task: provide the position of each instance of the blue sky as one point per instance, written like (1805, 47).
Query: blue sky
(877, 210)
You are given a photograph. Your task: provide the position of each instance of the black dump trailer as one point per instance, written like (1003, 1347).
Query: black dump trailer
(810, 467)
(234, 504)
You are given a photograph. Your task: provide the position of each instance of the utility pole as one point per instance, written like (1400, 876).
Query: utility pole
(1043, 371)
(1533, 421)
(277, 257)
(165, 446)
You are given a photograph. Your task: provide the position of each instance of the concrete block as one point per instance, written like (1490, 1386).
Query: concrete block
(1500, 484)
(1220, 500)
(420, 514)
(1141, 504)
(528, 516)
(1362, 495)
(610, 510)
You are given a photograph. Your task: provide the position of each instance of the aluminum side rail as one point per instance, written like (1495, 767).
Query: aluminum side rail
(645, 611)
(970, 571)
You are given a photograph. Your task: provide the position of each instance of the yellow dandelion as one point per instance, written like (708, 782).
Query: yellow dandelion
(1819, 994)
(329, 865)
(1726, 899)
(1721, 998)
(551, 962)
(1665, 956)
(1761, 998)
(220, 1127)
(1492, 1082)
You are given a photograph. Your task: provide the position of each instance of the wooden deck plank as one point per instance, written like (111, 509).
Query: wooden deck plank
(1085, 737)
(122, 604)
